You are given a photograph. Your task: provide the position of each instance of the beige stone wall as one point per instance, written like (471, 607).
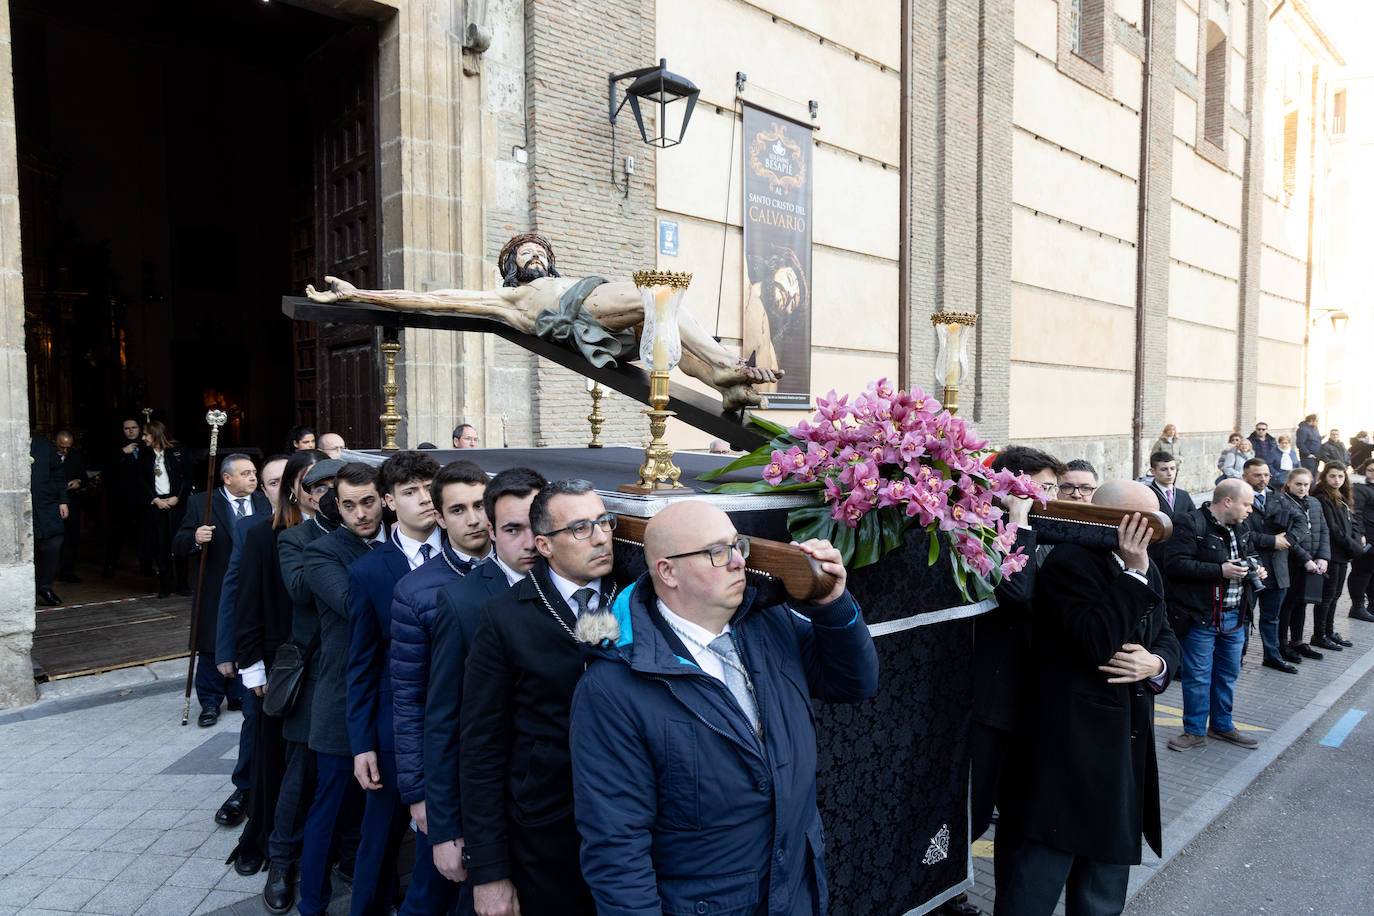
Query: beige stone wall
(16, 547)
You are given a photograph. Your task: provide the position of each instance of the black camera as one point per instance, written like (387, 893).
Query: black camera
(1252, 576)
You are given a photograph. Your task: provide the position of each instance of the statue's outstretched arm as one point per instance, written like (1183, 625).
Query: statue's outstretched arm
(504, 305)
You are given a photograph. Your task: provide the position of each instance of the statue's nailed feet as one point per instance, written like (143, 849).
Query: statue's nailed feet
(338, 289)
(736, 384)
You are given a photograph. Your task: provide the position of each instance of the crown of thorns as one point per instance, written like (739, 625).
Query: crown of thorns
(508, 252)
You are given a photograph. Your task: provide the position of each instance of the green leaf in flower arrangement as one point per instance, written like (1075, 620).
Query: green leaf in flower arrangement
(811, 522)
(868, 540)
(763, 486)
(843, 541)
(757, 458)
(768, 426)
(892, 525)
(934, 553)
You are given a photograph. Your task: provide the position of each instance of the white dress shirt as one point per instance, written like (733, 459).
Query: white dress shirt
(566, 589)
(411, 547)
(706, 660)
(511, 575)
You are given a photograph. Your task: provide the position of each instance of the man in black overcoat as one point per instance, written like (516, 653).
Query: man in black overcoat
(1083, 782)
(74, 479)
(237, 498)
(49, 495)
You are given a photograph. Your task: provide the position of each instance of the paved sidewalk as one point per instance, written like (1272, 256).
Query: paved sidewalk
(1196, 786)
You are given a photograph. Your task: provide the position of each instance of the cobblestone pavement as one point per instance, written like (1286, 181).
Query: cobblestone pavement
(107, 804)
(1196, 786)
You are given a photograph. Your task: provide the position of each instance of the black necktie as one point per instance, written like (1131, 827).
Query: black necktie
(239, 510)
(425, 550)
(583, 597)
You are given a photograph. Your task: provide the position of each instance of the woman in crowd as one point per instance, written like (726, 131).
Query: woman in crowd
(302, 438)
(1309, 550)
(1346, 530)
(1361, 449)
(165, 478)
(1287, 461)
(1362, 567)
(1232, 461)
(1168, 441)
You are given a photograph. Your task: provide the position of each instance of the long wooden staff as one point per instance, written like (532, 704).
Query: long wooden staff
(216, 419)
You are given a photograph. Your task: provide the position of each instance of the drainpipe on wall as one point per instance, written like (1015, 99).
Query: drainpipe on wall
(904, 211)
(1141, 234)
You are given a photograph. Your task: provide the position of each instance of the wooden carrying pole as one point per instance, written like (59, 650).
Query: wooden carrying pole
(216, 419)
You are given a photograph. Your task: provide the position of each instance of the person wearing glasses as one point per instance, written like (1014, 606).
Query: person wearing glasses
(693, 743)
(520, 843)
(1078, 482)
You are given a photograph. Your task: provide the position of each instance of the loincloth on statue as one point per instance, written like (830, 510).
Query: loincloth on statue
(573, 326)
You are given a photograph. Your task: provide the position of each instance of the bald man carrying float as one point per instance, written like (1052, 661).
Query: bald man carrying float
(693, 743)
(1082, 782)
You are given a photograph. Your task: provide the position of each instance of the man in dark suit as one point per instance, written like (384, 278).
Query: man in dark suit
(1268, 526)
(1173, 501)
(326, 562)
(124, 507)
(405, 484)
(236, 498)
(49, 496)
(514, 767)
(458, 608)
(1083, 780)
(74, 479)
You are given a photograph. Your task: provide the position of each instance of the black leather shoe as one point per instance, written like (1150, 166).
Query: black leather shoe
(231, 813)
(277, 894)
(1290, 655)
(234, 705)
(1279, 664)
(1339, 640)
(1306, 651)
(248, 863)
(48, 598)
(959, 906)
(1326, 642)
(209, 715)
(1362, 613)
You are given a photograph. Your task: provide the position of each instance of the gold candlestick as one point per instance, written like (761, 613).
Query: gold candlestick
(660, 346)
(389, 417)
(595, 418)
(951, 363)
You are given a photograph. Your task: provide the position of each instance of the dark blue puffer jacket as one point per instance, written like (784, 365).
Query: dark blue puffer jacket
(680, 807)
(412, 612)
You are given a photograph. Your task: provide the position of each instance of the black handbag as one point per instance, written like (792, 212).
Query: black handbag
(286, 677)
(1312, 588)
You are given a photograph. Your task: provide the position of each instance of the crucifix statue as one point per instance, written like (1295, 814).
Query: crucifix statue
(593, 315)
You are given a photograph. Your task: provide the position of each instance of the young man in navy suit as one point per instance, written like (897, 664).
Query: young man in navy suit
(415, 538)
(460, 491)
(458, 607)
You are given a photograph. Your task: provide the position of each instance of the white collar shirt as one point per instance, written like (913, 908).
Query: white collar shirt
(696, 638)
(232, 500)
(512, 576)
(566, 589)
(411, 547)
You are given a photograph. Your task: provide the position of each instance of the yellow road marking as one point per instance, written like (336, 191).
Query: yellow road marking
(1177, 719)
(982, 849)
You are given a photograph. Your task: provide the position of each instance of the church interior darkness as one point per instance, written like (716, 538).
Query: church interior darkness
(168, 202)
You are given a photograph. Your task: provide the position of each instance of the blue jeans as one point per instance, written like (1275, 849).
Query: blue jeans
(1270, 600)
(1211, 663)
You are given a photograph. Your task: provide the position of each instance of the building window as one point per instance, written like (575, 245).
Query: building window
(1086, 36)
(1076, 27)
(1214, 88)
(1338, 114)
(1290, 153)
(1087, 30)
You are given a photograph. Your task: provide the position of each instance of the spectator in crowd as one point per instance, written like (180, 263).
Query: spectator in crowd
(686, 629)
(1173, 501)
(1267, 524)
(520, 843)
(720, 447)
(326, 562)
(405, 480)
(465, 436)
(1346, 531)
(1286, 461)
(125, 508)
(332, 444)
(1309, 550)
(457, 611)
(1211, 592)
(1083, 779)
(49, 498)
(1362, 566)
(74, 479)
(1078, 482)
(1233, 457)
(1265, 447)
(1361, 449)
(165, 482)
(1169, 441)
(1333, 450)
(1308, 442)
(302, 437)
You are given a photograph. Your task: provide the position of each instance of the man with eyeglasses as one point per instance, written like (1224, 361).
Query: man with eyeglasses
(693, 743)
(520, 844)
(1265, 447)
(1078, 482)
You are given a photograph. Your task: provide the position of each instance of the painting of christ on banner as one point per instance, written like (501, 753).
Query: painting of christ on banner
(777, 252)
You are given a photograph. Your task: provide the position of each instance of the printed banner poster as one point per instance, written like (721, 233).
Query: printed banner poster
(777, 252)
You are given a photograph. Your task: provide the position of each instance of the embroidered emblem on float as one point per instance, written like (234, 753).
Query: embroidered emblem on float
(939, 846)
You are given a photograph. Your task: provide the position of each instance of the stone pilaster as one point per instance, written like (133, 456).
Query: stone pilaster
(1251, 227)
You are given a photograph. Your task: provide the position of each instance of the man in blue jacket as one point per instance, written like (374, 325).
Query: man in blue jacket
(693, 744)
(405, 480)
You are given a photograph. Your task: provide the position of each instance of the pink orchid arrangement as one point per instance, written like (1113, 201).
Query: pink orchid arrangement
(887, 461)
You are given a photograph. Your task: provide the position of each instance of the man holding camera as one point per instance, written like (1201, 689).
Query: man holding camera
(1212, 579)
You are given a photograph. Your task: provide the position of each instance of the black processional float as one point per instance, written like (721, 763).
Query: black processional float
(892, 781)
